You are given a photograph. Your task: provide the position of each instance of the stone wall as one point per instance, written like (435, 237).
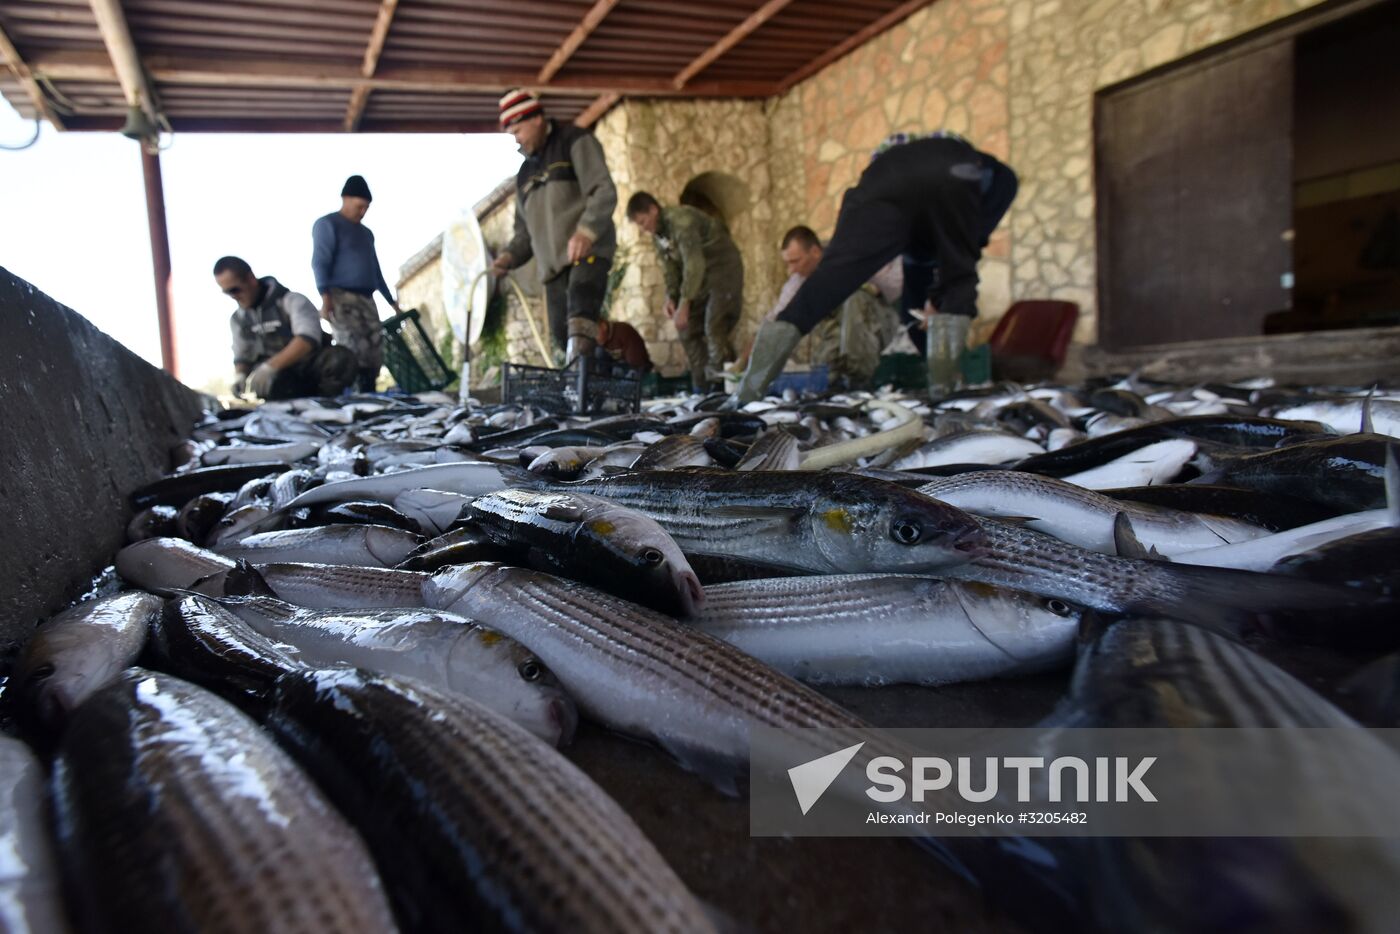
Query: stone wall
(1017, 77)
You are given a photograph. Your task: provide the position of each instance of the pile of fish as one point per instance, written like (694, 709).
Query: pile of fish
(353, 639)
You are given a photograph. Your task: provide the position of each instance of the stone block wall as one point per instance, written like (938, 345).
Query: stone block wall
(1018, 77)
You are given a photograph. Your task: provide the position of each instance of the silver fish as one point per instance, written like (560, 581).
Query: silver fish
(876, 629)
(440, 649)
(75, 653)
(634, 670)
(172, 804)
(369, 545)
(970, 447)
(31, 899)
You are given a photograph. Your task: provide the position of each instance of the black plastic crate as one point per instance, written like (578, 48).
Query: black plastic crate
(570, 391)
(411, 356)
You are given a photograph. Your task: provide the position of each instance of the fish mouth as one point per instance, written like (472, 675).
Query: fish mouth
(690, 591)
(563, 716)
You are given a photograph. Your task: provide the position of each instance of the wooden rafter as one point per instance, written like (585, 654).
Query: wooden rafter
(595, 110)
(736, 35)
(899, 13)
(26, 78)
(575, 39)
(166, 69)
(359, 97)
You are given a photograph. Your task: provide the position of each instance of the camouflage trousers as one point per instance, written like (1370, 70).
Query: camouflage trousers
(850, 339)
(706, 337)
(355, 326)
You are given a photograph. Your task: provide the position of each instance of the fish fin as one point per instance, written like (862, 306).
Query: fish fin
(244, 580)
(727, 775)
(562, 510)
(1367, 426)
(1126, 542)
(1093, 624)
(1392, 486)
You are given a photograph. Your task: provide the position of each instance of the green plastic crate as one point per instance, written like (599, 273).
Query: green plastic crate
(656, 386)
(909, 371)
(411, 356)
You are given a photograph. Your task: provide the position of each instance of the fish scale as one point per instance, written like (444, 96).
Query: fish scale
(635, 670)
(175, 809)
(503, 833)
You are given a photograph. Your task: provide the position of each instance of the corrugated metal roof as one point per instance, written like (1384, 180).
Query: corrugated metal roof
(441, 65)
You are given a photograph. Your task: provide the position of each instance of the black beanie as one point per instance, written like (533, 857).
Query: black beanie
(356, 187)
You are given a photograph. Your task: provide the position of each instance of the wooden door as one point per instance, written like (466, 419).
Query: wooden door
(1194, 172)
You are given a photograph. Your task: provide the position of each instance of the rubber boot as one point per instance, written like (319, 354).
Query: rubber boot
(583, 338)
(940, 345)
(774, 343)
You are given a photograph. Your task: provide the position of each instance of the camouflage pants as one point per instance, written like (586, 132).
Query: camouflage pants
(355, 326)
(706, 337)
(327, 372)
(850, 339)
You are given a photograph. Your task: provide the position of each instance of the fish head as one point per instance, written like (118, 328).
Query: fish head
(52, 679)
(865, 525)
(641, 557)
(1023, 625)
(498, 672)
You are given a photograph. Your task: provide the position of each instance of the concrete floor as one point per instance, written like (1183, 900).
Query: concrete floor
(808, 884)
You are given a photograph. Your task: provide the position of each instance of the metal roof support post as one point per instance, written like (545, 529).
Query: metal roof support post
(160, 255)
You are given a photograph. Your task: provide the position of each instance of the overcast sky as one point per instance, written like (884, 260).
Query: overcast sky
(73, 217)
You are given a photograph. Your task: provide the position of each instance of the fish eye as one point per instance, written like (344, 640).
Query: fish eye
(652, 556)
(1058, 607)
(42, 672)
(906, 531)
(531, 670)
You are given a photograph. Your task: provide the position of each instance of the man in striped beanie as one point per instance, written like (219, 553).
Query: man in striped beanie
(564, 202)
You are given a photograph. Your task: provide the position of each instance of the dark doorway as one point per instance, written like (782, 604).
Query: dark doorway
(1346, 217)
(1254, 188)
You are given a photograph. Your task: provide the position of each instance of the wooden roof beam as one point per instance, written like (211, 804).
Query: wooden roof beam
(359, 97)
(26, 78)
(165, 69)
(126, 60)
(898, 14)
(736, 35)
(595, 110)
(570, 45)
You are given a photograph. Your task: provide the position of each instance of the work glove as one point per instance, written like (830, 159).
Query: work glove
(260, 380)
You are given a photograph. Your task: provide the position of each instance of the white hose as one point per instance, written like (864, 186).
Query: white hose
(908, 427)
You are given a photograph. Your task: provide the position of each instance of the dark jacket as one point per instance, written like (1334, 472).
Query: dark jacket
(563, 189)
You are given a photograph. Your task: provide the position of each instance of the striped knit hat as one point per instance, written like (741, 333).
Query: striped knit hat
(517, 105)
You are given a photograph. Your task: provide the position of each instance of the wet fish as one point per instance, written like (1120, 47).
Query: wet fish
(170, 804)
(775, 449)
(970, 447)
(1367, 560)
(468, 479)
(197, 639)
(1083, 517)
(1344, 415)
(491, 829)
(370, 545)
(321, 586)
(74, 654)
(1261, 554)
(1156, 463)
(873, 629)
(287, 453)
(1347, 473)
(459, 546)
(199, 517)
(821, 523)
(178, 489)
(1267, 510)
(31, 899)
(163, 564)
(1230, 600)
(674, 451)
(1159, 674)
(634, 670)
(593, 539)
(440, 649)
(152, 522)
(1237, 431)
(364, 512)
(434, 510)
